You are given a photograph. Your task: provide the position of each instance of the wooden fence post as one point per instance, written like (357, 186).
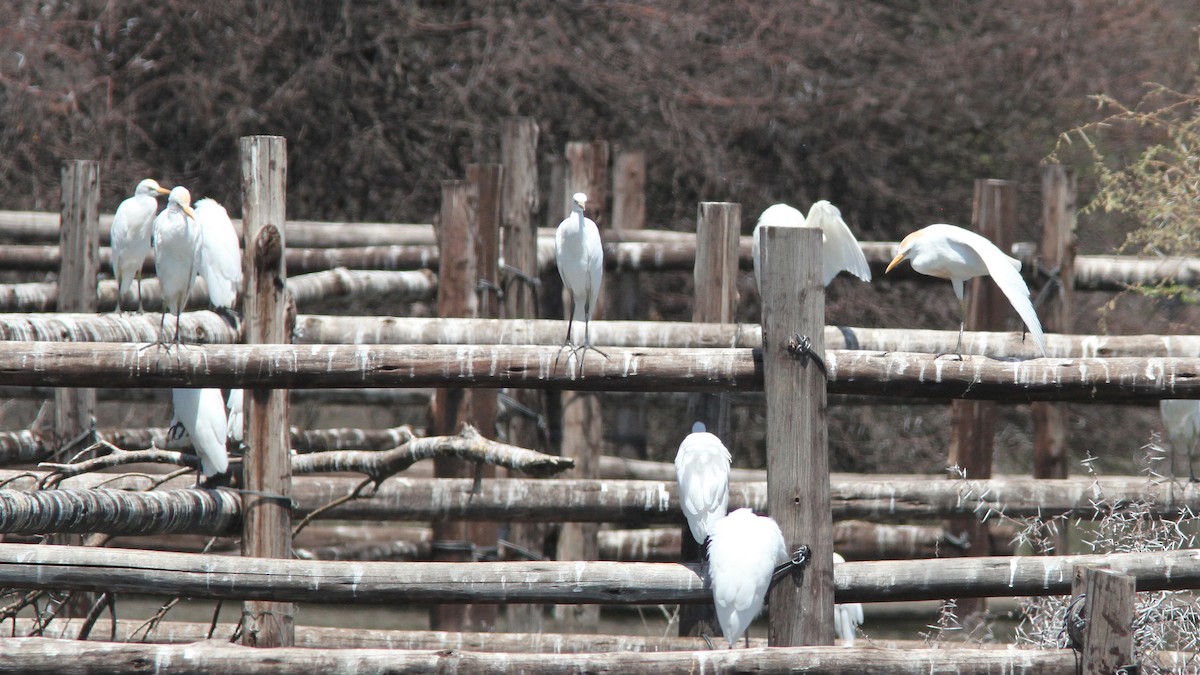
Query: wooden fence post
(798, 492)
(582, 433)
(519, 201)
(718, 225)
(267, 467)
(1108, 611)
(458, 282)
(628, 215)
(974, 422)
(77, 278)
(1056, 255)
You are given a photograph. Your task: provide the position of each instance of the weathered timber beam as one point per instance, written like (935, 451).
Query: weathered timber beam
(47, 655)
(120, 512)
(32, 566)
(850, 372)
(334, 396)
(340, 283)
(198, 327)
(646, 502)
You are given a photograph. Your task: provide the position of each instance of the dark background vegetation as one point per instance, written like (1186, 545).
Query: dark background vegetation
(889, 109)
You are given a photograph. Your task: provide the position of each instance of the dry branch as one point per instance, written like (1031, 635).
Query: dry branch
(46, 655)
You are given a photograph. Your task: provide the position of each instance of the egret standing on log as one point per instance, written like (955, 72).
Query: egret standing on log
(132, 227)
(201, 413)
(580, 258)
(702, 469)
(839, 249)
(176, 249)
(950, 252)
(1181, 419)
(743, 551)
(220, 256)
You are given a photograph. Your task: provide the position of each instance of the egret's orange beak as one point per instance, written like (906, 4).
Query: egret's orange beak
(161, 190)
(895, 261)
(188, 210)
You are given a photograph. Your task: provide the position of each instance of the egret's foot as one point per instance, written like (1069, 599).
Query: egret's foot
(708, 641)
(581, 355)
(566, 347)
(175, 431)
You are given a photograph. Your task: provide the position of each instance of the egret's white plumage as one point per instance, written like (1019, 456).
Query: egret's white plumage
(702, 469)
(132, 227)
(177, 240)
(1181, 420)
(580, 258)
(236, 422)
(202, 414)
(839, 249)
(950, 252)
(220, 254)
(743, 551)
(847, 617)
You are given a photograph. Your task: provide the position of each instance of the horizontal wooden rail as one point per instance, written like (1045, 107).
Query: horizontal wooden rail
(37, 655)
(1124, 379)
(33, 566)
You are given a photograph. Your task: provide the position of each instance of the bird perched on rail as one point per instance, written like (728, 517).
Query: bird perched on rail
(579, 255)
(702, 470)
(220, 256)
(743, 551)
(839, 250)
(177, 239)
(950, 252)
(132, 227)
(201, 413)
(847, 617)
(1181, 420)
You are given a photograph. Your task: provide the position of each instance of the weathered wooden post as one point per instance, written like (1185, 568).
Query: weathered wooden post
(458, 282)
(267, 468)
(582, 436)
(79, 245)
(718, 225)
(628, 215)
(798, 493)
(973, 423)
(519, 200)
(1056, 254)
(1106, 644)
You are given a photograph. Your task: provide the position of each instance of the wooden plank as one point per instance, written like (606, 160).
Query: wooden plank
(1108, 617)
(266, 466)
(627, 432)
(797, 451)
(74, 408)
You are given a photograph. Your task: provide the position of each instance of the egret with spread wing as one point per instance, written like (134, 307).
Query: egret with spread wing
(839, 249)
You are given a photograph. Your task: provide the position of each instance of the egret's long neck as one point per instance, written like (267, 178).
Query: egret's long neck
(580, 212)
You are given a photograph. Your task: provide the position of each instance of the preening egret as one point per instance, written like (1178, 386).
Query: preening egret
(846, 617)
(950, 252)
(236, 422)
(176, 249)
(220, 254)
(702, 469)
(201, 412)
(580, 258)
(131, 229)
(743, 550)
(839, 249)
(1181, 419)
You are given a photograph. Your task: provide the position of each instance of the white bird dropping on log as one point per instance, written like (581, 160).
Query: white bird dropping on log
(1181, 420)
(839, 249)
(176, 249)
(580, 258)
(950, 252)
(702, 469)
(743, 551)
(132, 227)
(202, 414)
(236, 422)
(846, 617)
(220, 254)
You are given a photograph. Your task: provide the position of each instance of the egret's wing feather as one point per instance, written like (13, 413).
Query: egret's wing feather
(1008, 277)
(841, 250)
(220, 261)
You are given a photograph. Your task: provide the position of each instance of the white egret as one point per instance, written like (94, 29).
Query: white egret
(702, 469)
(236, 422)
(950, 252)
(1181, 420)
(220, 254)
(743, 551)
(201, 413)
(132, 226)
(580, 258)
(839, 249)
(177, 240)
(846, 617)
